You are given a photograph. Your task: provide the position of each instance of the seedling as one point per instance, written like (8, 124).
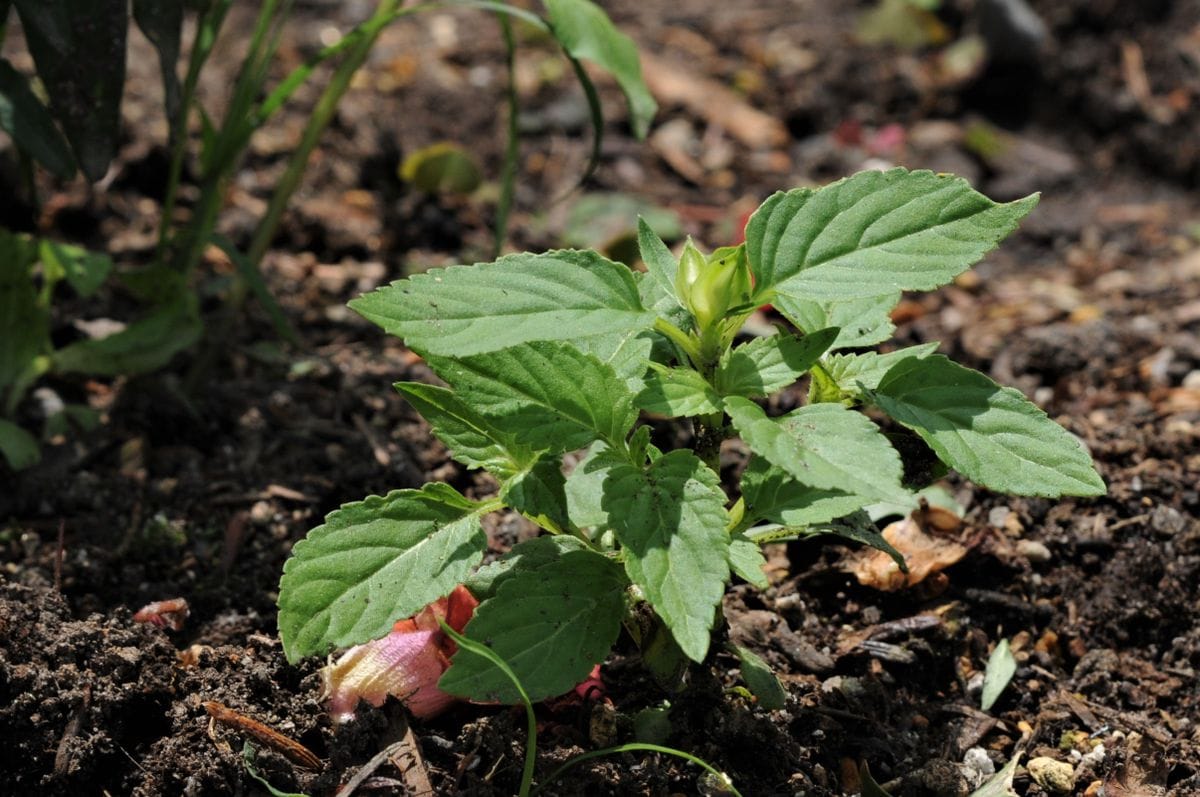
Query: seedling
(550, 354)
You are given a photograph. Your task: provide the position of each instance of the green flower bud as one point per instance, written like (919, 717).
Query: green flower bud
(724, 283)
(691, 265)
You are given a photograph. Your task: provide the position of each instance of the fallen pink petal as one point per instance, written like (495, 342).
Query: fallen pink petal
(164, 614)
(405, 664)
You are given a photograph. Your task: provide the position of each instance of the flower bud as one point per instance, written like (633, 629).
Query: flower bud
(691, 266)
(723, 283)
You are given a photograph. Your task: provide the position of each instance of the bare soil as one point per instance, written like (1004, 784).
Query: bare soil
(1092, 309)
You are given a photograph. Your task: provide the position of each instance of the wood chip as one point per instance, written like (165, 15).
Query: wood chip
(713, 102)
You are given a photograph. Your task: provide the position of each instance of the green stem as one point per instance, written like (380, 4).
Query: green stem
(472, 646)
(508, 174)
(680, 339)
(634, 746)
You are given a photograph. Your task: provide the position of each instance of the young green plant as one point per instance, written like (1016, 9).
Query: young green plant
(546, 355)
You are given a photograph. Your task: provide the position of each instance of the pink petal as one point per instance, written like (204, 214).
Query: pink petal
(406, 664)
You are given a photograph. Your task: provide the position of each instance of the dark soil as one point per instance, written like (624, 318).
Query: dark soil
(1092, 309)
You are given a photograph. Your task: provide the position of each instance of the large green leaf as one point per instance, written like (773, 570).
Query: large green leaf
(875, 233)
(78, 47)
(539, 493)
(522, 557)
(585, 488)
(823, 445)
(770, 493)
(31, 126)
(549, 396)
(863, 322)
(375, 562)
(852, 372)
(586, 32)
(764, 365)
(472, 439)
(551, 625)
(670, 519)
(463, 310)
(678, 393)
(628, 353)
(145, 345)
(992, 435)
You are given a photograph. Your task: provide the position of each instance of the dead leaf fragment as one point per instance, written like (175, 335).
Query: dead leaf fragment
(713, 102)
(923, 553)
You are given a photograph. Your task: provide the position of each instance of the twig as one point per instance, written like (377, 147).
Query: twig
(62, 756)
(414, 772)
(289, 748)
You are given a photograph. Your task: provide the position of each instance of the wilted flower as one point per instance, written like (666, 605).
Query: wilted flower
(406, 663)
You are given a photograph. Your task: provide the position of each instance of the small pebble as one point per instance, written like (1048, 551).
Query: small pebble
(1057, 777)
(977, 767)
(1034, 551)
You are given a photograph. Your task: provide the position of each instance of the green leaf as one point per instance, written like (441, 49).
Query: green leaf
(549, 396)
(661, 265)
(852, 370)
(858, 527)
(1001, 667)
(678, 393)
(79, 49)
(627, 352)
(31, 126)
(764, 365)
(770, 493)
(521, 558)
(84, 271)
(670, 519)
(375, 562)
(608, 223)
(747, 560)
(585, 488)
(441, 168)
(586, 32)
(19, 447)
(145, 345)
(759, 679)
(472, 439)
(864, 321)
(869, 787)
(875, 233)
(823, 445)
(539, 494)
(992, 435)
(24, 321)
(551, 625)
(463, 310)
(162, 23)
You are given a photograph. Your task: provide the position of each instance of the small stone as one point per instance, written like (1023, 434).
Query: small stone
(1034, 551)
(261, 513)
(1056, 777)
(977, 767)
(1167, 521)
